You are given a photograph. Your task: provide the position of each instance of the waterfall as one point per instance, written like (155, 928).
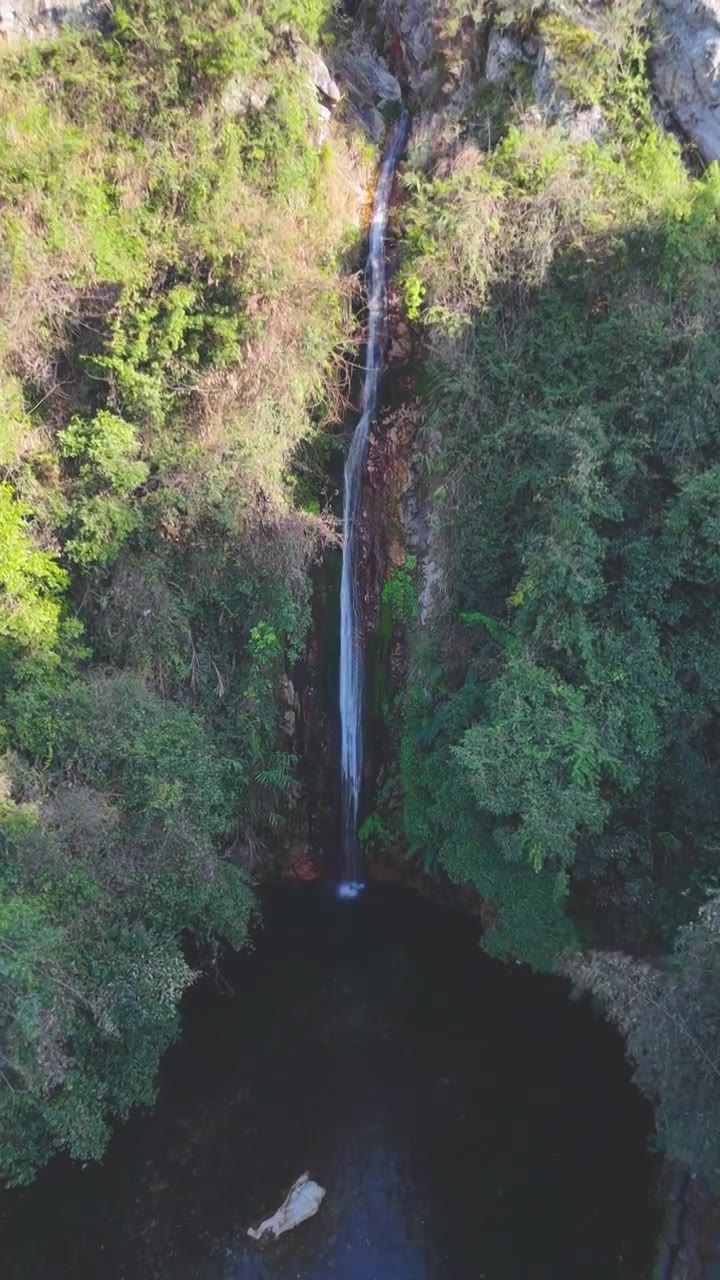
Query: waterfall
(351, 652)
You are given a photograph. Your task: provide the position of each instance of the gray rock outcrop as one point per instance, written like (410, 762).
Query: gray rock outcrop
(243, 94)
(369, 119)
(505, 50)
(30, 18)
(411, 23)
(367, 78)
(369, 86)
(583, 124)
(686, 67)
(318, 72)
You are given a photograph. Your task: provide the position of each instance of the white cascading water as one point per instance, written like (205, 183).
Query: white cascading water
(351, 652)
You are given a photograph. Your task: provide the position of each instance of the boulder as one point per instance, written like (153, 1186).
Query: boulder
(686, 67)
(241, 95)
(367, 78)
(586, 124)
(400, 344)
(317, 71)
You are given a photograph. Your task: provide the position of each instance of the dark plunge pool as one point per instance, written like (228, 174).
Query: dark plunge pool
(467, 1120)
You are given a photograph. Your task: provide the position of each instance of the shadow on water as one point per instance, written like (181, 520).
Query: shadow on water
(467, 1119)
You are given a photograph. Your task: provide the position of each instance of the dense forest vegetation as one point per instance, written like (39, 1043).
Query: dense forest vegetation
(559, 750)
(170, 310)
(178, 231)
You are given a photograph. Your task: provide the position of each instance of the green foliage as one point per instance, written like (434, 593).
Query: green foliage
(104, 452)
(560, 731)
(31, 584)
(400, 595)
(500, 634)
(536, 763)
(374, 834)
(307, 16)
(166, 249)
(413, 295)
(92, 967)
(443, 822)
(264, 645)
(602, 61)
(279, 149)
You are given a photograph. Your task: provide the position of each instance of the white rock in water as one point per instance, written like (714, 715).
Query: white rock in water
(302, 1201)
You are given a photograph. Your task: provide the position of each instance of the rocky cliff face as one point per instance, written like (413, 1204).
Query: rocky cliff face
(686, 67)
(434, 54)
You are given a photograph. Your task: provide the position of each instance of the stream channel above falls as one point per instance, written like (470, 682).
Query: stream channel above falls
(467, 1119)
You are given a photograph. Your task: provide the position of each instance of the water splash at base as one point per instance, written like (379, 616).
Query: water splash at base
(349, 889)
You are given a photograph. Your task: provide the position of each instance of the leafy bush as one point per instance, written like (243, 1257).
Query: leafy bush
(399, 593)
(32, 583)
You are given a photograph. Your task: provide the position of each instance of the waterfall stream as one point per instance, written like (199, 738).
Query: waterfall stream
(351, 649)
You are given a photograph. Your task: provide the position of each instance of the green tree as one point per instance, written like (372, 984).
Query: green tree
(31, 583)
